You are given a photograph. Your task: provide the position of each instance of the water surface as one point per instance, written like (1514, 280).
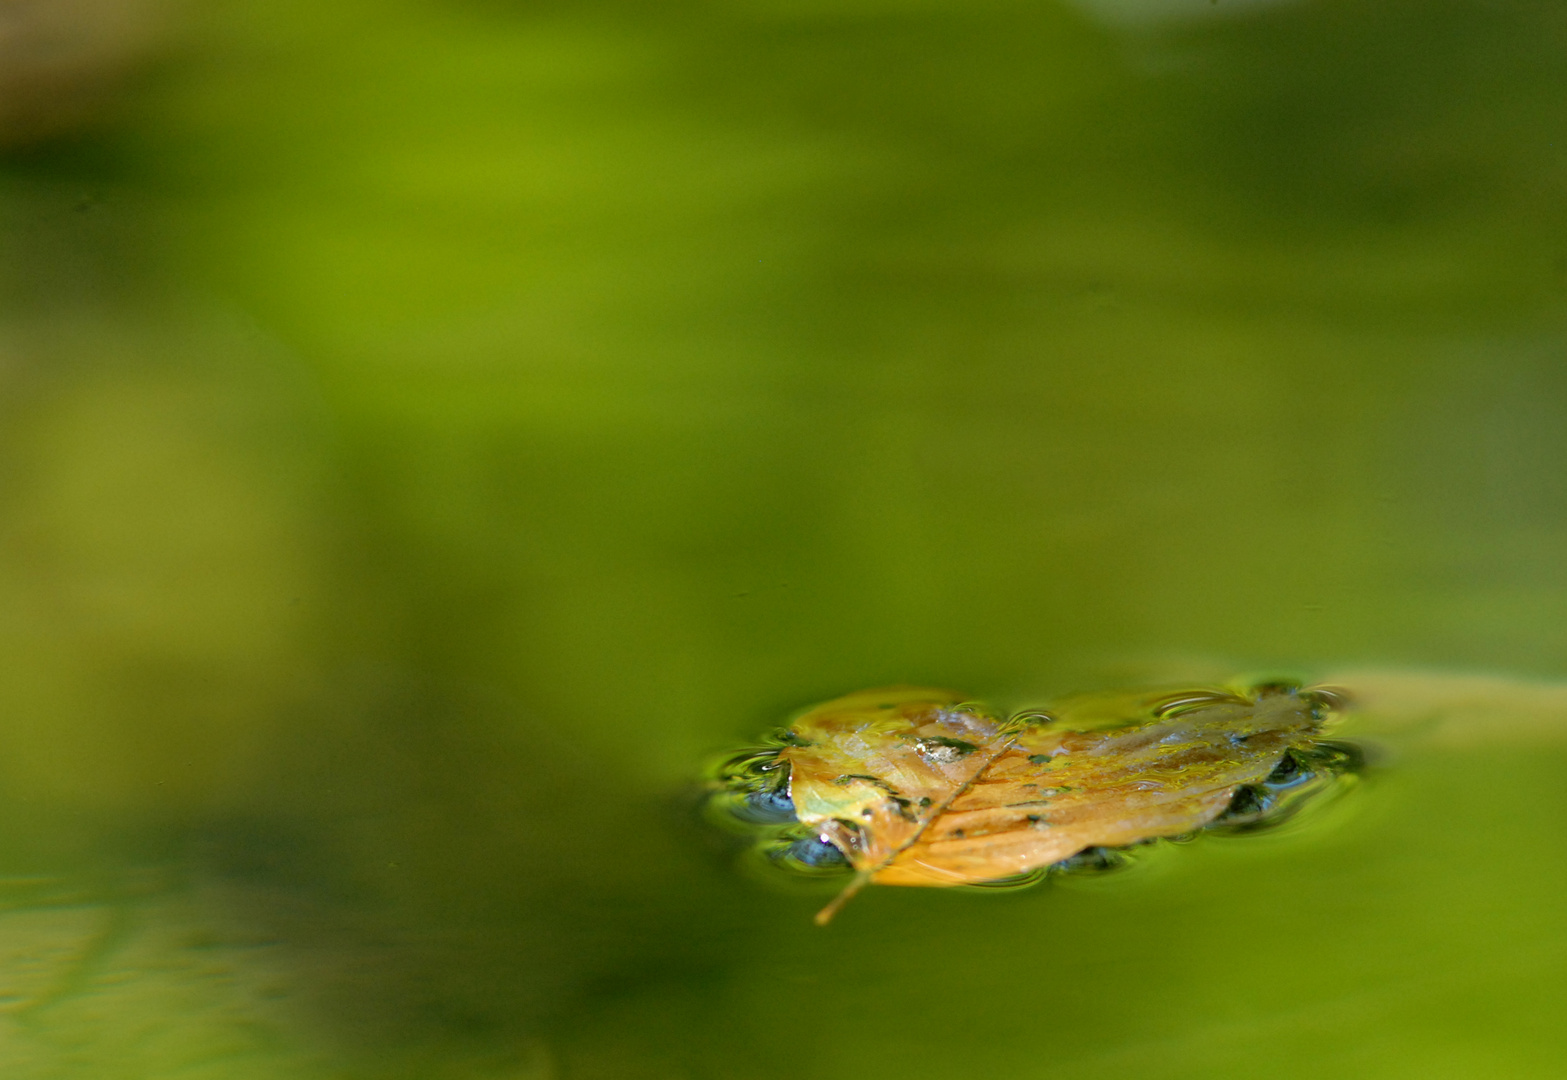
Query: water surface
(431, 430)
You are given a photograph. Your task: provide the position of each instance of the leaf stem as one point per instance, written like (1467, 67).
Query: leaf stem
(824, 916)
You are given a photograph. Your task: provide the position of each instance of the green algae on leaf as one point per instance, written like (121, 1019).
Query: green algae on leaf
(916, 786)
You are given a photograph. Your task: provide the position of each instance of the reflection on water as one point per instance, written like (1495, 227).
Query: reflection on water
(429, 430)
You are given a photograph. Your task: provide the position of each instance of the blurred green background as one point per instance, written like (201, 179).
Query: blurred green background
(430, 429)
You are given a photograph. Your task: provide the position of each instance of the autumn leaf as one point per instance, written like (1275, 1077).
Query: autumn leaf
(914, 786)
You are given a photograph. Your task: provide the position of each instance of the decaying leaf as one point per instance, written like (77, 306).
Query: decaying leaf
(913, 786)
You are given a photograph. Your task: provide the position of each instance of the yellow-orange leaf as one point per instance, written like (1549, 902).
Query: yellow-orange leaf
(915, 787)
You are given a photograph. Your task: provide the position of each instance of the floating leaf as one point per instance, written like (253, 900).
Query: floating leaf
(914, 786)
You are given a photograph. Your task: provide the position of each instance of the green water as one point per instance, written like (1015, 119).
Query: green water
(430, 431)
